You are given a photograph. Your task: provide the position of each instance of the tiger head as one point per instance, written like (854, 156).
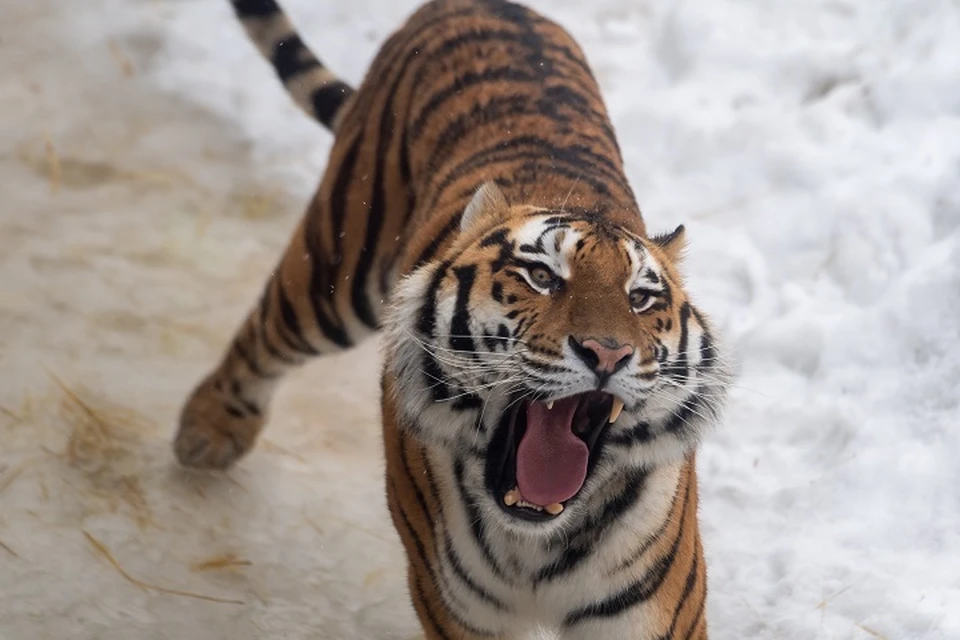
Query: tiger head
(550, 354)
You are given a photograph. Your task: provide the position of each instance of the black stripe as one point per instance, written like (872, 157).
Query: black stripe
(498, 237)
(544, 107)
(708, 352)
(435, 378)
(481, 115)
(460, 84)
(502, 38)
(261, 332)
(518, 277)
(431, 617)
(324, 268)
(332, 330)
(544, 367)
(461, 338)
(461, 573)
(297, 341)
(583, 158)
(250, 363)
(338, 197)
(580, 544)
(534, 165)
(612, 509)
(468, 402)
(327, 100)
(291, 57)
(649, 542)
(236, 413)
(426, 327)
(571, 557)
(696, 619)
(496, 292)
(421, 552)
(682, 362)
(476, 523)
(533, 171)
(431, 481)
(636, 434)
(543, 350)
(421, 501)
(538, 64)
(406, 178)
(688, 409)
(639, 591)
(687, 590)
(273, 350)
(562, 95)
(436, 579)
(255, 8)
(427, 318)
(376, 213)
(236, 390)
(529, 248)
(439, 239)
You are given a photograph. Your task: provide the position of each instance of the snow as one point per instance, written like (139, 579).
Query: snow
(812, 149)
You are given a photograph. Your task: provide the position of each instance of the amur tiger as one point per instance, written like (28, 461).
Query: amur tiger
(546, 379)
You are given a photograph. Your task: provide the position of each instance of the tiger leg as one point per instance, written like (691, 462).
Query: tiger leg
(294, 320)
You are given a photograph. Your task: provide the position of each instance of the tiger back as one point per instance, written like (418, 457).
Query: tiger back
(546, 378)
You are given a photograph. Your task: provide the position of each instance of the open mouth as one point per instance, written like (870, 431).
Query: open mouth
(543, 452)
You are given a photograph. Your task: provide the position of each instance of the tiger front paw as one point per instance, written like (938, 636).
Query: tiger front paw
(217, 427)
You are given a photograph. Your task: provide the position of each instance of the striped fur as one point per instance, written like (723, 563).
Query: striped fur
(475, 207)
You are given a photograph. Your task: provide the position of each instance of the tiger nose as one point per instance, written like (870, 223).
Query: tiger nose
(603, 356)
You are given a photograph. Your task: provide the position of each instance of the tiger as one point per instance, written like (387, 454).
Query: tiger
(546, 380)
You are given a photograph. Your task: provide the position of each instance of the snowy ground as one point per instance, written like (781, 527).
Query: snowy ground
(151, 169)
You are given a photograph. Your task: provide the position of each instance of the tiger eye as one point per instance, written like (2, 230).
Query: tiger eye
(542, 277)
(639, 299)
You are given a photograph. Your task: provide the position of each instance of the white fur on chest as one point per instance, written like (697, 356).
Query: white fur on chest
(538, 607)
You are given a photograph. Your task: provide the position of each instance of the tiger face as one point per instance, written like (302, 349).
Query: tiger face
(547, 353)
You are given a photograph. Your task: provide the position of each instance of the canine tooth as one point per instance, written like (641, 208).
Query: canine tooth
(616, 409)
(550, 406)
(554, 509)
(511, 498)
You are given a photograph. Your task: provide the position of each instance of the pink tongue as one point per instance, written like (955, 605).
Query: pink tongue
(551, 460)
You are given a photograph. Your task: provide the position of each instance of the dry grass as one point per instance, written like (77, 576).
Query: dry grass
(17, 419)
(225, 561)
(350, 525)
(375, 577)
(123, 61)
(64, 170)
(8, 476)
(268, 445)
(54, 167)
(258, 206)
(105, 443)
(146, 586)
(6, 547)
(868, 630)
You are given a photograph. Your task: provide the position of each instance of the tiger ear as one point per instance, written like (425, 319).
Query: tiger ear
(488, 203)
(672, 244)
